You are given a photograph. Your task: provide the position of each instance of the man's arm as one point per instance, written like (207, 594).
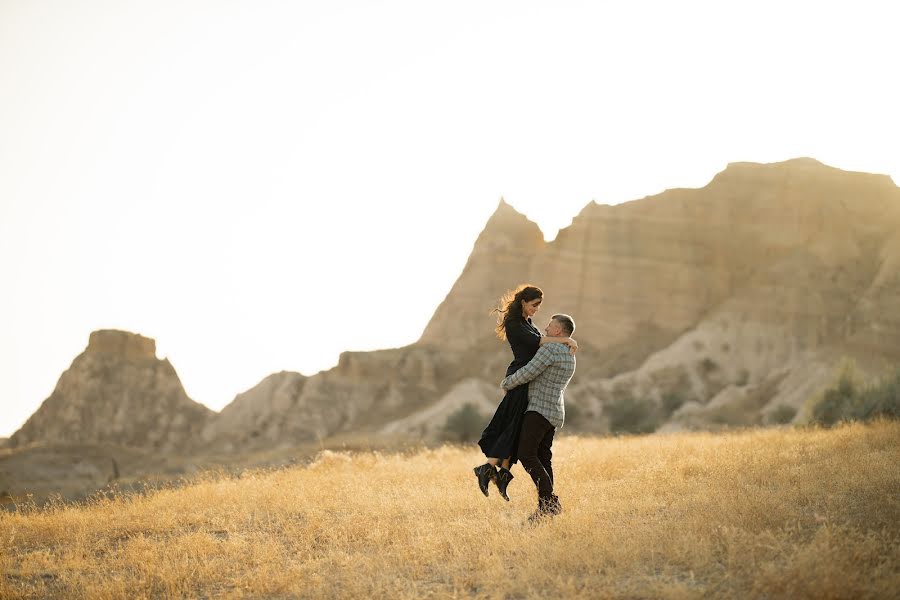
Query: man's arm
(536, 366)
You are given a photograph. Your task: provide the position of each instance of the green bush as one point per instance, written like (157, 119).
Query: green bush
(782, 415)
(671, 401)
(850, 400)
(465, 425)
(837, 401)
(630, 415)
(881, 399)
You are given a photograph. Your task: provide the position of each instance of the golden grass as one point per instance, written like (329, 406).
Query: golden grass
(758, 513)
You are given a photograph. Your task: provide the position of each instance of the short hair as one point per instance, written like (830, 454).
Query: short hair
(568, 324)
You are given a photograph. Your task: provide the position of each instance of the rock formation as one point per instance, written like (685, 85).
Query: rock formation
(428, 422)
(362, 393)
(695, 308)
(265, 413)
(117, 392)
(742, 294)
(502, 256)
(665, 261)
(701, 308)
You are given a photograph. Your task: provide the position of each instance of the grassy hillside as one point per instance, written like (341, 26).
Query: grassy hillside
(759, 513)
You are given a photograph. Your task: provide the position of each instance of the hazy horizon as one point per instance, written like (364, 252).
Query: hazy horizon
(259, 187)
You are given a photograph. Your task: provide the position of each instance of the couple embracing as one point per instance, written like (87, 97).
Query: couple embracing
(533, 405)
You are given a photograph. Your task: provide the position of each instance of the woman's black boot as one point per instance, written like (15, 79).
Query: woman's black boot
(504, 476)
(485, 473)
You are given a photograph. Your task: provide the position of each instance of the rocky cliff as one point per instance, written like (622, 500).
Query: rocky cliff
(824, 238)
(503, 255)
(700, 308)
(264, 412)
(723, 303)
(117, 392)
(363, 392)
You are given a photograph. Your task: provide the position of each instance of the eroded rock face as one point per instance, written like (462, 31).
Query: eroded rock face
(750, 288)
(262, 414)
(117, 392)
(501, 258)
(363, 392)
(814, 239)
(702, 308)
(429, 422)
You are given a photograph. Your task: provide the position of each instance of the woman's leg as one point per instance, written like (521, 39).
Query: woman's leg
(486, 473)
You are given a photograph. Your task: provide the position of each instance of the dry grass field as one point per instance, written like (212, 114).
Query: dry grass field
(775, 513)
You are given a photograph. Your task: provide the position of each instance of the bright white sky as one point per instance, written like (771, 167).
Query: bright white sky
(260, 185)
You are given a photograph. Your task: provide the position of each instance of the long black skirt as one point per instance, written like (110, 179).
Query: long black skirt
(501, 437)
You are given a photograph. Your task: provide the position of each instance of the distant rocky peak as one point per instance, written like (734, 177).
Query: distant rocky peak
(117, 392)
(506, 220)
(121, 344)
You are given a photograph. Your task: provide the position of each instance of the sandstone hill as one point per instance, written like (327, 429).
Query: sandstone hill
(662, 263)
(706, 307)
(363, 392)
(696, 308)
(117, 392)
(265, 411)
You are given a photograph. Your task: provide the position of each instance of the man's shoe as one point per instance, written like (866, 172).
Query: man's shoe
(548, 506)
(485, 474)
(504, 476)
(553, 507)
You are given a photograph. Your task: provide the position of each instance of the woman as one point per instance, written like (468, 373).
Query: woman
(500, 439)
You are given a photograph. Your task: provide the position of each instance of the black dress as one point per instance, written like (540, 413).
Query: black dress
(501, 437)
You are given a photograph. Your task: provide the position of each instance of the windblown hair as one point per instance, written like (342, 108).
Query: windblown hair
(509, 307)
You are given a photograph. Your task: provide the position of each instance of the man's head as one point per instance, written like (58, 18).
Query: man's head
(560, 326)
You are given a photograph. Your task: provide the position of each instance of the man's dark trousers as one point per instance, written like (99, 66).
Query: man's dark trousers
(534, 451)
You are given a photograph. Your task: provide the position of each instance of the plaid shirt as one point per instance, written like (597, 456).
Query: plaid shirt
(549, 373)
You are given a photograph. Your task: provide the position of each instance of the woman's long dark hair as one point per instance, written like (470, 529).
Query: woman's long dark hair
(509, 307)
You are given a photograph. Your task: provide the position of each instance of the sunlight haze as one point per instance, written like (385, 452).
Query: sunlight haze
(260, 186)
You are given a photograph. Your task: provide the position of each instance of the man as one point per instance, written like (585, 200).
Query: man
(549, 373)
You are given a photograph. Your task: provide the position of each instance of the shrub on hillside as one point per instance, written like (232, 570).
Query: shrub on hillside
(881, 399)
(851, 400)
(632, 415)
(465, 425)
(671, 401)
(782, 415)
